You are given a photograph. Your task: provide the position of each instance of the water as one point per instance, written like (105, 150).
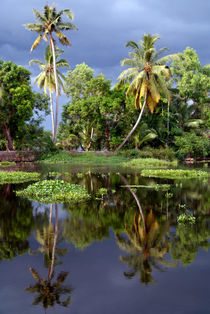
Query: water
(119, 253)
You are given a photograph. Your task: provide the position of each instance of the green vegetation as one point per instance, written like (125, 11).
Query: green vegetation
(18, 105)
(54, 191)
(6, 163)
(82, 158)
(174, 173)
(149, 162)
(156, 187)
(18, 176)
(186, 218)
(147, 75)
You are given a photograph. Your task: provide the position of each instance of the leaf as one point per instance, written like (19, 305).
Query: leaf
(36, 42)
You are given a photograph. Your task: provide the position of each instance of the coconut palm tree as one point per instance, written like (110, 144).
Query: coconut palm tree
(146, 246)
(48, 292)
(46, 78)
(48, 23)
(146, 74)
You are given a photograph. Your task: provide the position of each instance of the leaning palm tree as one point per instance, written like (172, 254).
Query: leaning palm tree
(146, 74)
(48, 23)
(46, 78)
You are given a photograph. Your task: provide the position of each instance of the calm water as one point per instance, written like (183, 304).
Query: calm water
(122, 252)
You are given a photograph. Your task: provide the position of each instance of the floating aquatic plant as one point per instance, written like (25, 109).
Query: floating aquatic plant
(54, 191)
(174, 173)
(18, 176)
(149, 162)
(186, 218)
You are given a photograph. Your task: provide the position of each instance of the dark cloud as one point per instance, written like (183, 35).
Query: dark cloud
(105, 27)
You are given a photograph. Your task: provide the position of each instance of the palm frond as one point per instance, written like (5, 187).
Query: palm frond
(69, 14)
(62, 38)
(66, 26)
(36, 27)
(36, 42)
(34, 61)
(41, 18)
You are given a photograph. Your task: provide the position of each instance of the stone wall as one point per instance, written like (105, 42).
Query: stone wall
(18, 156)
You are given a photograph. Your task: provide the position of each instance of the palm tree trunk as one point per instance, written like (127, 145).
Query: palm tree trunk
(168, 121)
(136, 199)
(56, 87)
(52, 116)
(50, 273)
(135, 126)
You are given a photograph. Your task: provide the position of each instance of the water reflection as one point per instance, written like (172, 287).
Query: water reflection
(49, 292)
(146, 243)
(144, 233)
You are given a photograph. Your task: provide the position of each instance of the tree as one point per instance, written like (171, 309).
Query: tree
(192, 80)
(146, 74)
(46, 79)
(48, 23)
(96, 114)
(17, 102)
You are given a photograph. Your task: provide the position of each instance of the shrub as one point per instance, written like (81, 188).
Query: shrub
(192, 145)
(165, 153)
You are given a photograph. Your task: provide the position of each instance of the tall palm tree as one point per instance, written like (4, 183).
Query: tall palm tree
(46, 79)
(48, 23)
(146, 246)
(146, 74)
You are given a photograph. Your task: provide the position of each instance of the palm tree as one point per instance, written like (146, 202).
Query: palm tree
(48, 23)
(146, 246)
(146, 75)
(49, 293)
(46, 79)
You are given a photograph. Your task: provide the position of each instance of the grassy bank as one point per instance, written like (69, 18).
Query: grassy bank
(89, 158)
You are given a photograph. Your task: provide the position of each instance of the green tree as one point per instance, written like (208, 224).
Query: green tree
(18, 102)
(51, 22)
(146, 74)
(97, 114)
(192, 80)
(46, 79)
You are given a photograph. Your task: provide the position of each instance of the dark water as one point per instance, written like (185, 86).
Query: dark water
(119, 253)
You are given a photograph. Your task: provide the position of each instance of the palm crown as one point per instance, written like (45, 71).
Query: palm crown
(147, 72)
(46, 78)
(49, 22)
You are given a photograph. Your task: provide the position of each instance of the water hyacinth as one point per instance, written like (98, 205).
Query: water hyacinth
(55, 191)
(18, 176)
(174, 173)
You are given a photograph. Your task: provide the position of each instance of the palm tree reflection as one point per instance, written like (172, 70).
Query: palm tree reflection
(48, 292)
(145, 242)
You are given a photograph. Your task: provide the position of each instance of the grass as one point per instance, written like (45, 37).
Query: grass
(18, 176)
(88, 158)
(54, 191)
(174, 173)
(149, 162)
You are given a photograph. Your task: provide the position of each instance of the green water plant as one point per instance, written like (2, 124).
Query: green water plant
(186, 218)
(18, 176)
(7, 163)
(149, 162)
(54, 191)
(174, 173)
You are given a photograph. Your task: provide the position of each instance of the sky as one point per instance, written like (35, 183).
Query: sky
(104, 29)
